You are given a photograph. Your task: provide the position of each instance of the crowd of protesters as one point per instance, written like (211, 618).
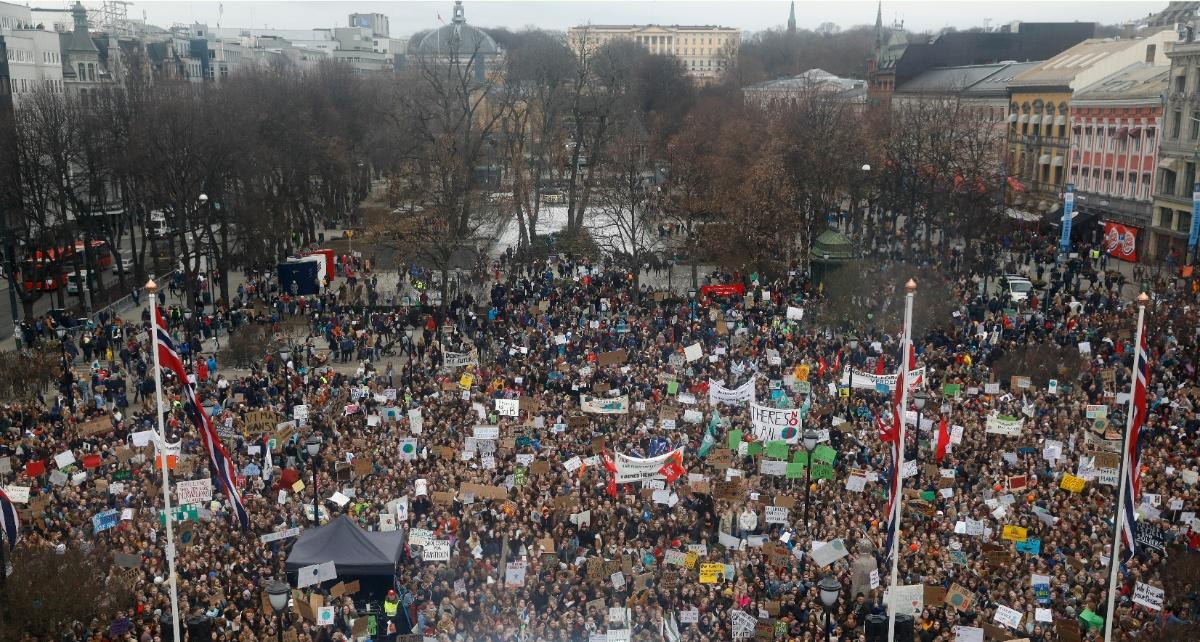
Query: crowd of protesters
(548, 333)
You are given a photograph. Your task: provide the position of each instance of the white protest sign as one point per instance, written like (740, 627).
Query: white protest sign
(315, 574)
(1008, 617)
(325, 615)
(829, 553)
(437, 550)
(508, 407)
(776, 515)
(194, 491)
(1148, 596)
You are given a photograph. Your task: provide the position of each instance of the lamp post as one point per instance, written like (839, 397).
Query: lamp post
(277, 594)
(829, 589)
(851, 341)
(919, 400)
(810, 442)
(313, 446)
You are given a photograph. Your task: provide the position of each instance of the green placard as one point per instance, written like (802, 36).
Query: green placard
(735, 438)
(777, 450)
(672, 387)
(951, 389)
(822, 470)
(371, 625)
(180, 514)
(519, 476)
(753, 448)
(122, 475)
(928, 495)
(795, 470)
(800, 457)
(1091, 619)
(824, 453)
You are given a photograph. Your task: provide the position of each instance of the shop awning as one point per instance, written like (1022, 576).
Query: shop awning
(1057, 162)
(1044, 160)
(1035, 119)
(1023, 119)
(1169, 163)
(1061, 120)
(1135, 131)
(1122, 132)
(1012, 118)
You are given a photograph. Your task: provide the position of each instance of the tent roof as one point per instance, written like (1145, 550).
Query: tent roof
(353, 550)
(833, 243)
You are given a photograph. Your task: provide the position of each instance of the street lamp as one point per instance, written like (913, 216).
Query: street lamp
(277, 594)
(919, 400)
(810, 442)
(851, 341)
(313, 446)
(829, 589)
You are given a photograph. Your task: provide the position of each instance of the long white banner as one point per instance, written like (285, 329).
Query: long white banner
(775, 424)
(718, 393)
(868, 381)
(998, 424)
(614, 406)
(634, 469)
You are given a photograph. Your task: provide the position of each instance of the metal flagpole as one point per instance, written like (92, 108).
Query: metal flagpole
(152, 290)
(898, 500)
(1114, 562)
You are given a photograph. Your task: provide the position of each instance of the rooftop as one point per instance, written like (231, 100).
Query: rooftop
(1062, 69)
(1139, 80)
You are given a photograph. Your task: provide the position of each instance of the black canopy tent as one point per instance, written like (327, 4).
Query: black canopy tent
(354, 551)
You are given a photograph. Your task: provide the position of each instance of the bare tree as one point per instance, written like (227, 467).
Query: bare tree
(625, 216)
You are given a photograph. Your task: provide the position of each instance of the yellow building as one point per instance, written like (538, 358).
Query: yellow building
(706, 51)
(1039, 118)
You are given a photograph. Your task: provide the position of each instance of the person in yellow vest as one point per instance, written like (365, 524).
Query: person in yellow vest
(391, 609)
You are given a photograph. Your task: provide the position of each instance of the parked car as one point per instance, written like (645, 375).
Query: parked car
(75, 281)
(1017, 287)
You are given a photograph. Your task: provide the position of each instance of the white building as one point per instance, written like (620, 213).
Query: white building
(29, 58)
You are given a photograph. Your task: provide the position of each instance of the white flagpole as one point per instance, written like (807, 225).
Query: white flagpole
(898, 500)
(152, 290)
(1123, 474)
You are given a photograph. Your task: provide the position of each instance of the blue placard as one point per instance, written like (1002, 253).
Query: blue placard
(1064, 244)
(1042, 593)
(104, 521)
(1195, 231)
(882, 387)
(1033, 546)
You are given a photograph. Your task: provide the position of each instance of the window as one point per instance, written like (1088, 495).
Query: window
(1135, 142)
(1189, 176)
(1183, 221)
(1168, 182)
(1120, 183)
(1164, 217)
(1145, 185)
(1108, 184)
(1087, 138)
(1176, 121)
(1180, 84)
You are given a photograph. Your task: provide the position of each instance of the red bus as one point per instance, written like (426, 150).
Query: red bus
(37, 270)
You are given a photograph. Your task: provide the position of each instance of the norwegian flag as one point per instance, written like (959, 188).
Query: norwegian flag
(1133, 445)
(218, 458)
(10, 521)
(888, 434)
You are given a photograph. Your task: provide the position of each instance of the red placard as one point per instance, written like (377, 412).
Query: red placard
(1120, 241)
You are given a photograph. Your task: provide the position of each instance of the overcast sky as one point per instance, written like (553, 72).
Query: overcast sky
(409, 17)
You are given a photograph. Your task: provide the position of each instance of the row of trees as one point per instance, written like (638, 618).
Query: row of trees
(617, 139)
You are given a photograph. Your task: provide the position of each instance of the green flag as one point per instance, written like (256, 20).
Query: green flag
(735, 438)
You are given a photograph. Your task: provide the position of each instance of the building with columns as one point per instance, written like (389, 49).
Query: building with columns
(706, 51)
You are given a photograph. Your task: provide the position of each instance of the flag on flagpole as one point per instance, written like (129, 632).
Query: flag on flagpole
(879, 364)
(10, 521)
(943, 439)
(1133, 445)
(218, 458)
(892, 437)
(888, 434)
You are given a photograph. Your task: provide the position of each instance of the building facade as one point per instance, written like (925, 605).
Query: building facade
(376, 22)
(706, 51)
(791, 88)
(1115, 127)
(32, 61)
(1179, 151)
(1039, 113)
